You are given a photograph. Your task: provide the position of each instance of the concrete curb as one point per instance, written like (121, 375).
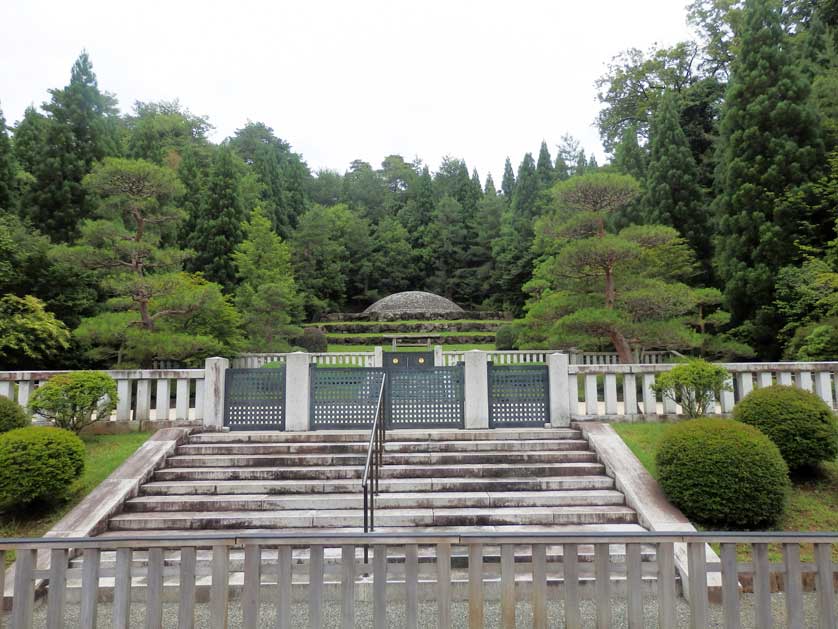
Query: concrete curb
(645, 496)
(90, 516)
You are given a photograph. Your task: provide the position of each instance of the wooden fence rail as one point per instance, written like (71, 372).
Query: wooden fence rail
(295, 572)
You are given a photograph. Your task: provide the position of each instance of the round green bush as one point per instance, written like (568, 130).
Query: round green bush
(313, 340)
(723, 473)
(797, 421)
(11, 415)
(38, 463)
(506, 337)
(76, 399)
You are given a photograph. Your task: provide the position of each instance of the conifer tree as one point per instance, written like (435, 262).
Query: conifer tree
(630, 159)
(30, 139)
(544, 166)
(507, 185)
(769, 143)
(218, 227)
(489, 187)
(8, 188)
(673, 195)
(81, 131)
(527, 188)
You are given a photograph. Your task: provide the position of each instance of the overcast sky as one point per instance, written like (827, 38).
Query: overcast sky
(346, 79)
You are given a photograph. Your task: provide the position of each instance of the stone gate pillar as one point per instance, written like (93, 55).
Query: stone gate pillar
(297, 392)
(476, 389)
(557, 365)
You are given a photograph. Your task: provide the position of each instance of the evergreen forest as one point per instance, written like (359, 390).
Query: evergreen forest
(131, 238)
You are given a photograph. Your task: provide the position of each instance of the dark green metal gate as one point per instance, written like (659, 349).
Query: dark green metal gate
(344, 398)
(431, 397)
(408, 360)
(519, 396)
(254, 399)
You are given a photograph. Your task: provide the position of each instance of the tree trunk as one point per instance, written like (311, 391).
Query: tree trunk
(622, 346)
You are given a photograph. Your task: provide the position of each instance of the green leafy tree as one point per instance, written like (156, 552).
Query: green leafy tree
(30, 139)
(81, 131)
(267, 294)
(162, 132)
(392, 267)
(449, 242)
(218, 225)
(29, 334)
(673, 195)
(769, 144)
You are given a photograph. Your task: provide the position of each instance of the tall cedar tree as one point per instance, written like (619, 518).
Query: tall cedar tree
(544, 166)
(81, 131)
(673, 195)
(8, 189)
(507, 184)
(769, 143)
(630, 159)
(218, 226)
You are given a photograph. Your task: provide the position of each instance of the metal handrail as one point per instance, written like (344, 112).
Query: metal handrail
(375, 459)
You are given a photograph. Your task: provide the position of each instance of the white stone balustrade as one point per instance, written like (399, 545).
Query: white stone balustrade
(144, 394)
(618, 391)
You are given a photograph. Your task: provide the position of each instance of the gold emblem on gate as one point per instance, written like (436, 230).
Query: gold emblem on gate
(395, 361)
(421, 360)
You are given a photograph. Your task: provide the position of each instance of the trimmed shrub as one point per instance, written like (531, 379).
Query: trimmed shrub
(801, 424)
(693, 385)
(76, 399)
(12, 415)
(723, 473)
(506, 337)
(38, 463)
(313, 340)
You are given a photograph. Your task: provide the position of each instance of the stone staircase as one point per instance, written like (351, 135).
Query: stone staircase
(504, 480)
(542, 478)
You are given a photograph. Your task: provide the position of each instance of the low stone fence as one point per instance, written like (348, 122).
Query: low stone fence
(144, 394)
(576, 391)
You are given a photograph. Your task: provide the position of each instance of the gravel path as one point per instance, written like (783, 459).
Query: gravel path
(427, 614)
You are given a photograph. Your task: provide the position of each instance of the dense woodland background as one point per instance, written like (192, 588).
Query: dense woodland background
(126, 239)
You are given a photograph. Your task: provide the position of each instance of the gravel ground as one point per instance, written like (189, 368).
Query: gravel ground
(427, 614)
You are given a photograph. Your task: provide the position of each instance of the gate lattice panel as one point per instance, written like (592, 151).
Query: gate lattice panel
(425, 398)
(254, 399)
(519, 395)
(344, 398)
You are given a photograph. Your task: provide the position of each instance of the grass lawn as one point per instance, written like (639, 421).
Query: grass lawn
(813, 501)
(104, 453)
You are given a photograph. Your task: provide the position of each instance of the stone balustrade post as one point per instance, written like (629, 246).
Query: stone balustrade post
(476, 389)
(439, 360)
(214, 374)
(378, 357)
(559, 380)
(297, 392)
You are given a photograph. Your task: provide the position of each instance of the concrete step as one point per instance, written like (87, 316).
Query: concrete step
(492, 470)
(361, 436)
(507, 457)
(351, 447)
(220, 520)
(283, 487)
(423, 500)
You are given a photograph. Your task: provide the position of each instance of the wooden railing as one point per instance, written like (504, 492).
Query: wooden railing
(144, 394)
(627, 390)
(548, 570)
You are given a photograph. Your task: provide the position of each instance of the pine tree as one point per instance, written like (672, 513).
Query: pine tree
(81, 131)
(30, 139)
(218, 228)
(769, 142)
(544, 166)
(507, 185)
(8, 188)
(673, 195)
(489, 187)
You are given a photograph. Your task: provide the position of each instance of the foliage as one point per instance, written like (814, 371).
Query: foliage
(28, 333)
(313, 340)
(267, 294)
(723, 473)
(506, 337)
(12, 415)
(802, 426)
(694, 385)
(38, 464)
(76, 399)
(768, 147)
